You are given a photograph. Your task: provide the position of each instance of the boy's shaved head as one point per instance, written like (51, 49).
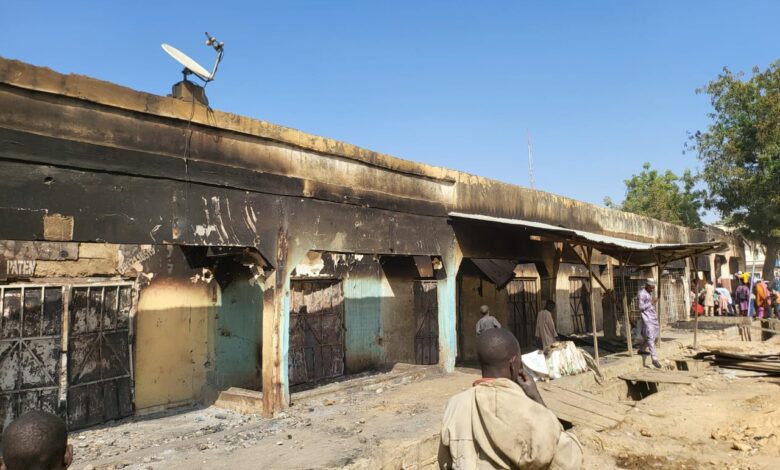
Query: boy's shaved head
(496, 347)
(35, 441)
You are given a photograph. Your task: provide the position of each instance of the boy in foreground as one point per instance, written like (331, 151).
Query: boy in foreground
(502, 421)
(36, 441)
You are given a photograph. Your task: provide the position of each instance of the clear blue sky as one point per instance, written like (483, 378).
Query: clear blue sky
(601, 86)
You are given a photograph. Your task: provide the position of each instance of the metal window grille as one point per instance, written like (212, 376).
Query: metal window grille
(523, 308)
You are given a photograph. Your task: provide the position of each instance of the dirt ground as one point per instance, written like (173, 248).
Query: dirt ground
(330, 432)
(720, 421)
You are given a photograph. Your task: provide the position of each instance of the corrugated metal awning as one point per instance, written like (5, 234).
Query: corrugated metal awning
(630, 251)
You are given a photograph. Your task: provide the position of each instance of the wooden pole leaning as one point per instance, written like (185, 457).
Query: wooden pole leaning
(661, 266)
(695, 301)
(588, 258)
(626, 316)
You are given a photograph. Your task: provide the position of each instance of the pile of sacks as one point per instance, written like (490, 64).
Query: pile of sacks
(560, 360)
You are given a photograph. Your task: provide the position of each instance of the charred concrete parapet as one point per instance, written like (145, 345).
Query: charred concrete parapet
(145, 133)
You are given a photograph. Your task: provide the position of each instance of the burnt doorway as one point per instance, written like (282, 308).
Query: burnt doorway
(523, 307)
(426, 314)
(30, 348)
(316, 330)
(579, 304)
(93, 382)
(100, 378)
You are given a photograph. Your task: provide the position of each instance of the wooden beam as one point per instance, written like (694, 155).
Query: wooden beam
(626, 317)
(658, 294)
(588, 257)
(587, 265)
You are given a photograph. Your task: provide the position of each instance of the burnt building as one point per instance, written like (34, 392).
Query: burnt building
(155, 252)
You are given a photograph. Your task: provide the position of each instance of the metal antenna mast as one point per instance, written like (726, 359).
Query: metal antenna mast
(531, 175)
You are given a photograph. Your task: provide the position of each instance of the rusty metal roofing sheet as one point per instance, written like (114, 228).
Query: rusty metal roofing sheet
(630, 251)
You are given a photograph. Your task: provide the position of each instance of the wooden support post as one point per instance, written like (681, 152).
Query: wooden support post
(658, 293)
(588, 257)
(695, 327)
(613, 294)
(626, 316)
(692, 278)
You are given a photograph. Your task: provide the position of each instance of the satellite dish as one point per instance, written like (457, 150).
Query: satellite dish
(188, 63)
(190, 66)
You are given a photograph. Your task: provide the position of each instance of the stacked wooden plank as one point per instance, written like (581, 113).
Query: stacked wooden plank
(766, 363)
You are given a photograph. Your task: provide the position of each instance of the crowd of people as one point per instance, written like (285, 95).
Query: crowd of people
(751, 296)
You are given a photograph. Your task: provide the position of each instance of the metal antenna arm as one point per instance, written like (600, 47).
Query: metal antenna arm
(216, 64)
(219, 47)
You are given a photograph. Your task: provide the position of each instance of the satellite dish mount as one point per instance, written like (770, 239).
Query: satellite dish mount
(186, 89)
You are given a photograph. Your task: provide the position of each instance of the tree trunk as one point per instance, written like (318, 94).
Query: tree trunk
(771, 247)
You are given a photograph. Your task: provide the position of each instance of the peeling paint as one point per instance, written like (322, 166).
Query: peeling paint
(205, 230)
(153, 231)
(249, 218)
(205, 276)
(223, 235)
(312, 266)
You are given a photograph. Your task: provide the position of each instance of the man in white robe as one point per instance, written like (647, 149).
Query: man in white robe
(545, 326)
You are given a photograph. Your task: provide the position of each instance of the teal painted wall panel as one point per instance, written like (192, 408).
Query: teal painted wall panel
(239, 336)
(363, 321)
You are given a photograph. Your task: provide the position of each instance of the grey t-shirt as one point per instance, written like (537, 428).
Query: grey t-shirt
(486, 322)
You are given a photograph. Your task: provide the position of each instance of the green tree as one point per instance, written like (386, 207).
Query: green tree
(663, 196)
(740, 152)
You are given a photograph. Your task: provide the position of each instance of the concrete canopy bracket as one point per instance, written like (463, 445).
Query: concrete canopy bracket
(548, 269)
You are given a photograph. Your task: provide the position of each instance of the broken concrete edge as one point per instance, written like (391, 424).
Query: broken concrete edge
(241, 401)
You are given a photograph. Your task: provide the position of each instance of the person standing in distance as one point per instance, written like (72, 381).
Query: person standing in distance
(487, 321)
(650, 325)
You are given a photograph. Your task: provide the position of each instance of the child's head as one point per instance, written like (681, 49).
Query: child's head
(36, 441)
